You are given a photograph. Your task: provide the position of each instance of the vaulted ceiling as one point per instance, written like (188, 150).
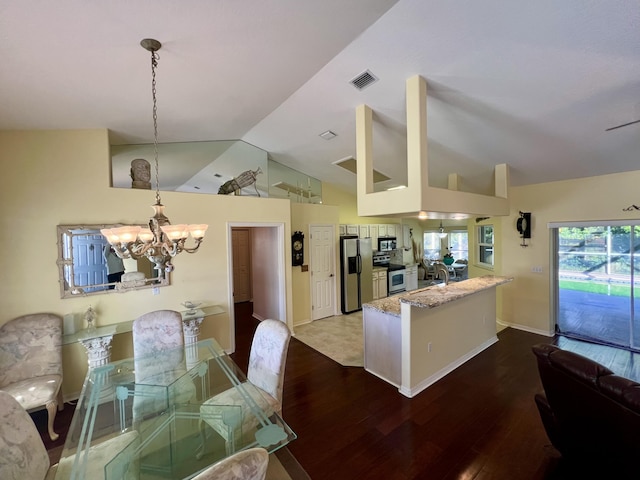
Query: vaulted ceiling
(531, 84)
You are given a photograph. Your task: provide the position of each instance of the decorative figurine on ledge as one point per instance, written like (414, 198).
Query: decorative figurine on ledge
(90, 317)
(140, 174)
(235, 185)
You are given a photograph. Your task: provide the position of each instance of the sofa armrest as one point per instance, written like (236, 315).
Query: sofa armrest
(549, 421)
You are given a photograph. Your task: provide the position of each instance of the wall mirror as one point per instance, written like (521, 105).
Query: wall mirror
(83, 257)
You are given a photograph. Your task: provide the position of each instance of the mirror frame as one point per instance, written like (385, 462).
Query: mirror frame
(65, 264)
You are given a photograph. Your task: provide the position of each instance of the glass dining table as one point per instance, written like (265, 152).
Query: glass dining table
(146, 417)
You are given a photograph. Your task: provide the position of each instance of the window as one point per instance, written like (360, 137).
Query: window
(485, 245)
(459, 244)
(431, 245)
(435, 246)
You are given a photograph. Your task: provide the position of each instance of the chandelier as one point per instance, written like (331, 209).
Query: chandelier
(161, 241)
(441, 231)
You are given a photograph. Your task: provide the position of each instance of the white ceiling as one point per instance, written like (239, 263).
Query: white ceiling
(530, 84)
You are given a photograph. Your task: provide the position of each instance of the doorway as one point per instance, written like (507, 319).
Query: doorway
(322, 278)
(597, 282)
(257, 269)
(241, 241)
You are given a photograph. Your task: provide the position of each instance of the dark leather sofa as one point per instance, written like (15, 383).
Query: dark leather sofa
(591, 415)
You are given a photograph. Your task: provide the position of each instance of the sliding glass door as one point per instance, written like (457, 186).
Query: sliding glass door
(597, 282)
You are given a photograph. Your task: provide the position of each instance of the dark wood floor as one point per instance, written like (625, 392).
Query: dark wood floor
(479, 422)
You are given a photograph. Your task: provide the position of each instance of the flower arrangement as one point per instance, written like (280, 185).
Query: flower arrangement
(447, 258)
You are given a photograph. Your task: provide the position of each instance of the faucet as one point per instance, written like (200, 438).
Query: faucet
(440, 268)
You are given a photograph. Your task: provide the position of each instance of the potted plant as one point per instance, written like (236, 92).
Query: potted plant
(447, 259)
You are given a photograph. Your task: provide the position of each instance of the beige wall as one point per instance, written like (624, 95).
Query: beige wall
(303, 215)
(62, 177)
(526, 301)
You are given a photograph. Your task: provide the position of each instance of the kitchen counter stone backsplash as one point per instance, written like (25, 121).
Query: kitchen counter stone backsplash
(396, 257)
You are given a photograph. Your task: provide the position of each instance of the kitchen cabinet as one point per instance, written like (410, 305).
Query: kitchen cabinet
(385, 230)
(392, 230)
(411, 277)
(342, 229)
(379, 283)
(373, 233)
(353, 230)
(363, 231)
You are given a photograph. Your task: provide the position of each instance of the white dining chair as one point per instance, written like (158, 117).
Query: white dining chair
(31, 363)
(250, 464)
(23, 454)
(265, 376)
(159, 360)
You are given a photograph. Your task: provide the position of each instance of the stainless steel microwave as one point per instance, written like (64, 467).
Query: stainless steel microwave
(386, 244)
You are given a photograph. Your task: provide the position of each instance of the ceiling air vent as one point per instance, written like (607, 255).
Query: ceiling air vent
(363, 80)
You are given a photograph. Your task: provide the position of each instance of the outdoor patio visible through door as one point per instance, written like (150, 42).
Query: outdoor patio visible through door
(597, 282)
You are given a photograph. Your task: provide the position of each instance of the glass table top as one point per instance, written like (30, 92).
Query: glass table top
(167, 416)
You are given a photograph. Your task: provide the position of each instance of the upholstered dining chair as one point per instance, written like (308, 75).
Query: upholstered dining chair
(23, 455)
(159, 360)
(267, 360)
(250, 464)
(156, 331)
(31, 363)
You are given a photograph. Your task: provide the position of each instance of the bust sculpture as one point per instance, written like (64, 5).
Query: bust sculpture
(140, 174)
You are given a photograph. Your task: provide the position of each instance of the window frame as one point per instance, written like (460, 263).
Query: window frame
(450, 246)
(480, 245)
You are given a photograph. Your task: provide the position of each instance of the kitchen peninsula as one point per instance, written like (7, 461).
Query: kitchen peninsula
(411, 340)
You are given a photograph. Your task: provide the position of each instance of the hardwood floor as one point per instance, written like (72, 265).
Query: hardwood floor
(479, 422)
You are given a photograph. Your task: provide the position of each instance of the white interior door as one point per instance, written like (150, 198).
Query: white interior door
(323, 275)
(241, 264)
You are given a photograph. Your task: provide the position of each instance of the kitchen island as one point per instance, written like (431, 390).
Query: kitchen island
(413, 339)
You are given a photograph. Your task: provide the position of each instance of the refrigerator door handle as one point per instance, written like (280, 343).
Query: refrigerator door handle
(358, 264)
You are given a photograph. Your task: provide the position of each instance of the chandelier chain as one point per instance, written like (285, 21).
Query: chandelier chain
(154, 65)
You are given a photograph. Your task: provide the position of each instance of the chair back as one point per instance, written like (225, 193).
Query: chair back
(157, 331)
(30, 346)
(250, 464)
(268, 357)
(22, 453)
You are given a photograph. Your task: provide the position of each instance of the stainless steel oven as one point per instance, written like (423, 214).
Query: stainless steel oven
(396, 278)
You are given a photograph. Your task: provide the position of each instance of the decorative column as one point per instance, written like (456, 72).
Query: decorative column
(191, 330)
(98, 350)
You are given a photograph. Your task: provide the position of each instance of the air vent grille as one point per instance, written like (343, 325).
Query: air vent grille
(363, 80)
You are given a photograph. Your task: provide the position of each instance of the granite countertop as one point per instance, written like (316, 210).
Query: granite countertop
(436, 295)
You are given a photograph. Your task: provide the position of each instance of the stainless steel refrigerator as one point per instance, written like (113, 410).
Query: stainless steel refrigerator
(356, 272)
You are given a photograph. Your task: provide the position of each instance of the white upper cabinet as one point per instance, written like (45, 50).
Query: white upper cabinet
(373, 233)
(353, 230)
(363, 231)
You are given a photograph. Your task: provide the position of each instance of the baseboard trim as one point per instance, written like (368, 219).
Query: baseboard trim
(525, 328)
(427, 382)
